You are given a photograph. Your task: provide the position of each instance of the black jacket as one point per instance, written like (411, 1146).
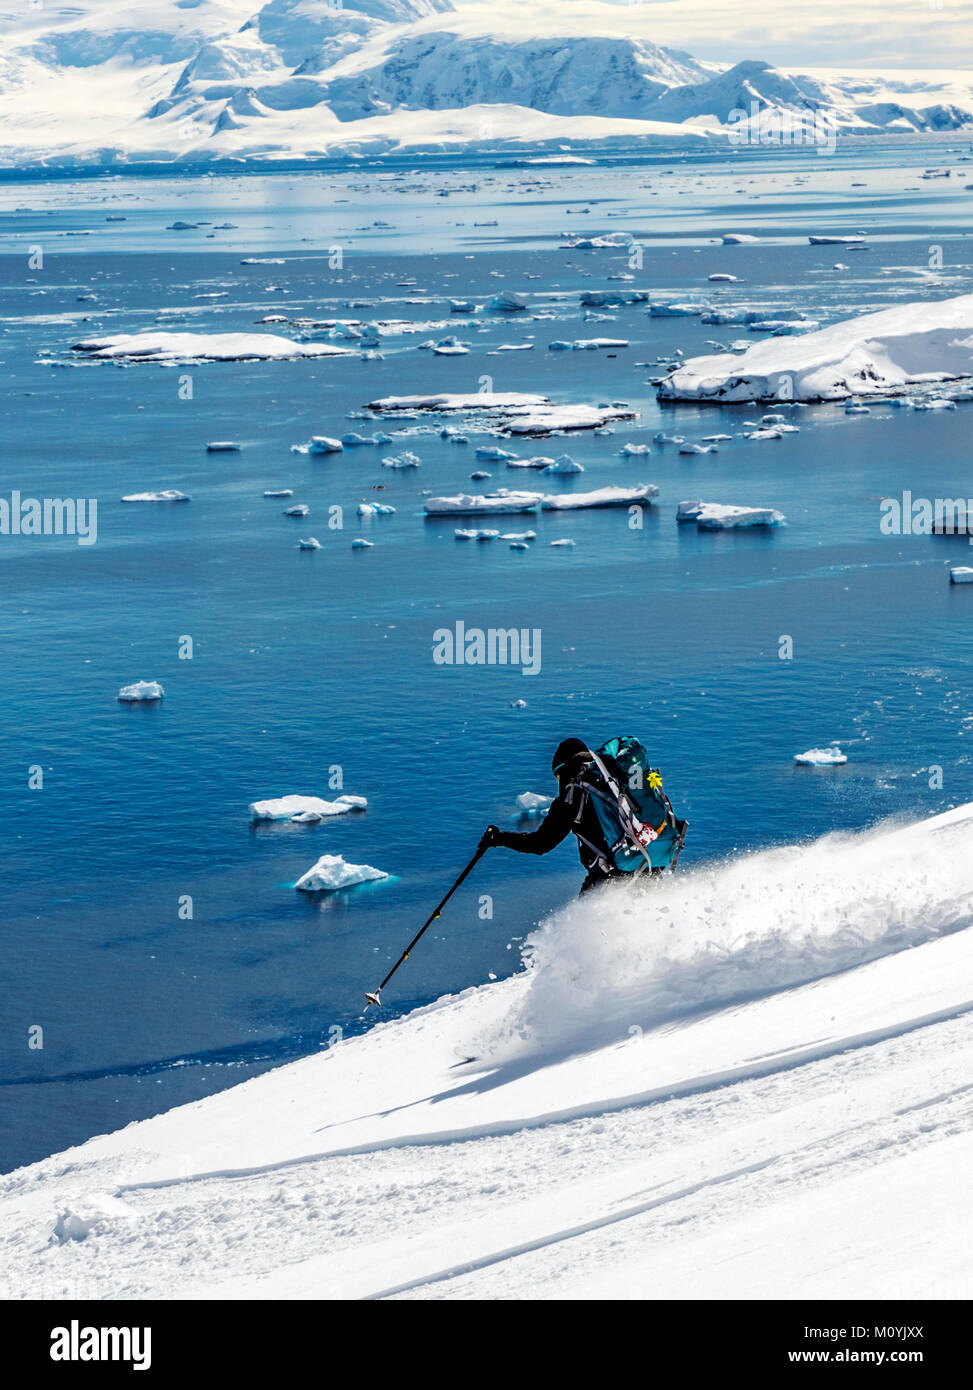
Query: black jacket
(571, 809)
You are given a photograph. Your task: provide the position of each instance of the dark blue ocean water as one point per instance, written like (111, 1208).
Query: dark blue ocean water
(303, 661)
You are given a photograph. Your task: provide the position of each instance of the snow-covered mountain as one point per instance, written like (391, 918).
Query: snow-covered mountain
(202, 80)
(751, 1081)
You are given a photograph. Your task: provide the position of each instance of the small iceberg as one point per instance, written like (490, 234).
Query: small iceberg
(564, 463)
(961, 574)
(530, 804)
(361, 544)
(737, 239)
(375, 509)
(312, 543)
(465, 504)
(332, 873)
(301, 509)
(140, 690)
(279, 492)
(632, 450)
(309, 808)
(821, 757)
(490, 453)
(222, 446)
(170, 495)
(714, 516)
(466, 534)
(616, 496)
(406, 460)
(508, 301)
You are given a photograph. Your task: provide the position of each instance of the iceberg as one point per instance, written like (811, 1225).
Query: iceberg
(714, 516)
(406, 460)
(462, 534)
(508, 301)
(203, 347)
(821, 757)
(141, 690)
(564, 463)
(869, 355)
(532, 803)
(308, 807)
(737, 239)
(301, 509)
(332, 873)
(222, 446)
(169, 495)
(961, 574)
(464, 504)
(616, 496)
(375, 509)
(517, 412)
(311, 543)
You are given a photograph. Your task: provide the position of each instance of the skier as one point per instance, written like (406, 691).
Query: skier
(575, 808)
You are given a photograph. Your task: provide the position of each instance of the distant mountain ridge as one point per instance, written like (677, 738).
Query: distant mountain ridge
(201, 80)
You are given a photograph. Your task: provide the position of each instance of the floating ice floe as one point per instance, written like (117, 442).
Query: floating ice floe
(493, 454)
(450, 347)
(676, 311)
(375, 509)
(301, 509)
(597, 243)
(279, 492)
(821, 757)
(508, 301)
(353, 440)
(961, 574)
(596, 299)
(309, 808)
(836, 240)
(564, 541)
(204, 347)
(869, 355)
(332, 873)
(359, 543)
(516, 412)
(311, 543)
(564, 463)
(141, 690)
(464, 306)
(466, 504)
(616, 496)
(169, 495)
(698, 449)
(318, 444)
(587, 344)
(532, 803)
(518, 537)
(222, 446)
(538, 461)
(737, 239)
(631, 450)
(743, 314)
(406, 460)
(715, 516)
(772, 432)
(721, 277)
(472, 535)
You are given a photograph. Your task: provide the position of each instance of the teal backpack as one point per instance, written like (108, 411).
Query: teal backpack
(642, 833)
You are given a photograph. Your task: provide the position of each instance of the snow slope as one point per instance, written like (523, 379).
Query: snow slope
(104, 83)
(751, 1081)
(870, 355)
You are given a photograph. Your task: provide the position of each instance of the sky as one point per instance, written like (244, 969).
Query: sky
(829, 33)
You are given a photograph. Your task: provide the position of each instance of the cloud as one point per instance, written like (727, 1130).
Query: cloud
(793, 33)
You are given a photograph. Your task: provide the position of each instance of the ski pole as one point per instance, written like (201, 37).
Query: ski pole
(376, 997)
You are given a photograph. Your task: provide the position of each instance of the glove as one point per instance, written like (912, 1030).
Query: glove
(489, 838)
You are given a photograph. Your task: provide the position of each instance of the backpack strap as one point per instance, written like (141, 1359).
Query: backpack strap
(623, 808)
(599, 851)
